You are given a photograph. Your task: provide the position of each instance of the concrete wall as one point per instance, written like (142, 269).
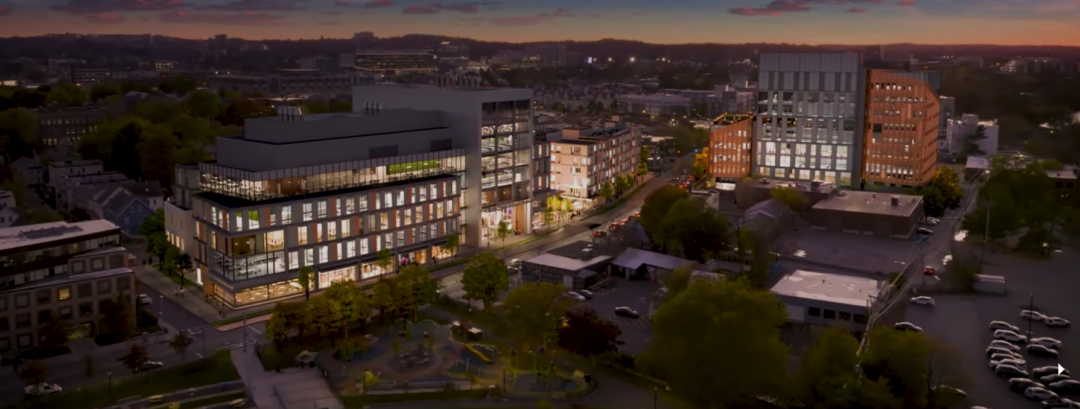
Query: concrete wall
(795, 305)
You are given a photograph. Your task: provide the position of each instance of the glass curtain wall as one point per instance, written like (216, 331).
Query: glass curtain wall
(506, 138)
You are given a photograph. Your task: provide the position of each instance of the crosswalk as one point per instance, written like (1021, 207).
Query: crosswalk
(234, 345)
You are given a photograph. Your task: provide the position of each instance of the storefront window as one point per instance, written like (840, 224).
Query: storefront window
(370, 270)
(346, 274)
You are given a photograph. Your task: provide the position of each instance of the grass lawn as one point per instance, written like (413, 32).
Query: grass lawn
(215, 369)
(198, 403)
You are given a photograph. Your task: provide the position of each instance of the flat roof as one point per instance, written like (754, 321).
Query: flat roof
(830, 287)
(977, 162)
(855, 201)
(22, 236)
(566, 263)
(70, 279)
(1061, 174)
(634, 258)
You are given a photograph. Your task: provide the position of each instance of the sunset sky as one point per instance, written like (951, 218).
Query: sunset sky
(1011, 22)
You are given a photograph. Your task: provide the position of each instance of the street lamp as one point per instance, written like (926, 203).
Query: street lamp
(1031, 307)
(161, 305)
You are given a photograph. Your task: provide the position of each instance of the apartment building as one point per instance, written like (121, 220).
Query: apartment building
(59, 270)
(583, 159)
(730, 141)
(901, 130)
(808, 116)
(60, 125)
(495, 126)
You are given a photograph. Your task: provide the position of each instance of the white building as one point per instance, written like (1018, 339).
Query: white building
(958, 131)
(807, 116)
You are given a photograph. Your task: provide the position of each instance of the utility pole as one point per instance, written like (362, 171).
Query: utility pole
(1031, 307)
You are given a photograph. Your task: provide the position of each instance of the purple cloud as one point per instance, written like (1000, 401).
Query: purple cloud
(80, 7)
(247, 18)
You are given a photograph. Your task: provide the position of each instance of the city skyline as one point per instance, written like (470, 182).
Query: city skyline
(1051, 22)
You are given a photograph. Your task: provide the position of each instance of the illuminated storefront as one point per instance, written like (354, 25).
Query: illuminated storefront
(327, 278)
(259, 294)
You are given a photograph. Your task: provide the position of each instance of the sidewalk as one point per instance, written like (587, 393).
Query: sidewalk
(194, 300)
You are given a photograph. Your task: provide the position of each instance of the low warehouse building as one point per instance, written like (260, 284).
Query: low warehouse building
(827, 299)
(577, 266)
(878, 214)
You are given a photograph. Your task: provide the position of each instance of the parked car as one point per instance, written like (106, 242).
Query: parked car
(1032, 315)
(1066, 387)
(991, 351)
(1048, 370)
(144, 299)
(907, 326)
(1039, 350)
(922, 231)
(1060, 403)
(929, 221)
(574, 296)
(1020, 385)
(1002, 356)
(1039, 394)
(1010, 336)
(1018, 363)
(952, 390)
(586, 293)
(148, 365)
(1046, 342)
(1007, 371)
(1053, 378)
(1004, 344)
(996, 325)
(922, 300)
(42, 389)
(1057, 322)
(626, 312)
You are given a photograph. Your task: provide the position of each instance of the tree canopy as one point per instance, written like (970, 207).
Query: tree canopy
(537, 309)
(586, 334)
(484, 278)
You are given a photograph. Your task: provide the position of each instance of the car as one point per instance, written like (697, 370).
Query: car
(1066, 387)
(1004, 345)
(952, 390)
(144, 299)
(1046, 342)
(1032, 315)
(148, 365)
(574, 296)
(1018, 363)
(922, 300)
(922, 231)
(928, 221)
(1057, 322)
(996, 325)
(1060, 403)
(626, 312)
(42, 389)
(907, 326)
(928, 271)
(1039, 394)
(586, 293)
(1021, 384)
(1010, 336)
(1048, 379)
(1048, 370)
(991, 351)
(1040, 350)
(1009, 371)
(1001, 356)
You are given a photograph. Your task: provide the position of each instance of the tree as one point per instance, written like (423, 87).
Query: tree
(153, 229)
(156, 150)
(897, 358)
(422, 289)
(178, 85)
(382, 296)
(643, 162)
(678, 281)
(326, 316)
(355, 305)
(238, 110)
(179, 343)
(118, 317)
(586, 334)
(135, 357)
(53, 333)
(66, 93)
(826, 376)
(549, 215)
(700, 169)
(537, 309)
(286, 318)
(706, 322)
(971, 143)
(656, 207)
(453, 240)
(607, 192)
(502, 232)
(203, 104)
(484, 278)
(306, 278)
(385, 260)
(793, 198)
(35, 373)
(947, 181)
(168, 263)
(183, 264)
(17, 129)
(933, 201)
(104, 90)
(693, 230)
(623, 183)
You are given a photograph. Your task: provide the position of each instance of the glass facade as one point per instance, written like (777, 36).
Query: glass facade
(281, 183)
(506, 137)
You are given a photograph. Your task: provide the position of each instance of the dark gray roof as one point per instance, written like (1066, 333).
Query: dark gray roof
(118, 204)
(143, 189)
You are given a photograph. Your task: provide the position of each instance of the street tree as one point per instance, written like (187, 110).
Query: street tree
(947, 181)
(607, 191)
(353, 302)
(54, 332)
(385, 260)
(537, 309)
(700, 168)
(169, 262)
(35, 373)
(118, 317)
(135, 357)
(793, 198)
(422, 289)
(704, 324)
(643, 161)
(503, 231)
(693, 230)
(179, 343)
(183, 264)
(104, 90)
(934, 203)
(326, 316)
(656, 207)
(549, 215)
(678, 281)
(588, 335)
(297, 316)
(484, 278)
(306, 278)
(382, 296)
(453, 241)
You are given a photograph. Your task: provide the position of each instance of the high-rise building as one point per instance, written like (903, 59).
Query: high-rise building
(584, 159)
(901, 130)
(730, 139)
(807, 117)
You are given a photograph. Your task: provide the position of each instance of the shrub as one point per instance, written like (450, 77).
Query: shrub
(478, 354)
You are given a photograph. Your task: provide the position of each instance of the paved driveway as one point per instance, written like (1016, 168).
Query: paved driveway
(636, 333)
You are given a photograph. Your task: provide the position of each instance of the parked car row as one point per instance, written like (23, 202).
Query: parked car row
(1044, 384)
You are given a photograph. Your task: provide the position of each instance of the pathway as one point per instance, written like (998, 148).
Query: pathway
(291, 388)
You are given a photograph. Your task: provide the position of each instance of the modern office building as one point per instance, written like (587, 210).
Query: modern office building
(583, 159)
(495, 127)
(901, 130)
(808, 116)
(59, 270)
(730, 142)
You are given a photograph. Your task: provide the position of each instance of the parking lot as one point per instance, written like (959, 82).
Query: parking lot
(853, 251)
(636, 333)
(962, 320)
